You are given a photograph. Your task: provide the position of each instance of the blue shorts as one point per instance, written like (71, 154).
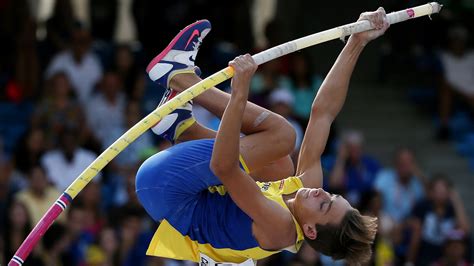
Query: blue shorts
(169, 183)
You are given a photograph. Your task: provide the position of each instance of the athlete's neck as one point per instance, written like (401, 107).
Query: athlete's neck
(290, 203)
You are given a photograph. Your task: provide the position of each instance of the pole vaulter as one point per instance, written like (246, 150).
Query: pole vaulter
(133, 133)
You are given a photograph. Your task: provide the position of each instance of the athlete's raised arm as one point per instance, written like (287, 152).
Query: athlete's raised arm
(330, 99)
(225, 156)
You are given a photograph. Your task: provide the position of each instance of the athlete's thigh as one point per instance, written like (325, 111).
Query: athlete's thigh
(173, 179)
(264, 161)
(276, 170)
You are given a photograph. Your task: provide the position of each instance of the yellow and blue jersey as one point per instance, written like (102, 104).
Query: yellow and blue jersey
(178, 189)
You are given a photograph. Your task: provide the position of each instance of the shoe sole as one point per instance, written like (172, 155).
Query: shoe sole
(170, 45)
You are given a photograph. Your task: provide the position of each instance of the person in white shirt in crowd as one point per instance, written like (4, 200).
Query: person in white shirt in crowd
(64, 164)
(353, 171)
(106, 109)
(457, 83)
(82, 67)
(402, 186)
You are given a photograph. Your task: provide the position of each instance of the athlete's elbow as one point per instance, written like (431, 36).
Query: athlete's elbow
(320, 111)
(221, 168)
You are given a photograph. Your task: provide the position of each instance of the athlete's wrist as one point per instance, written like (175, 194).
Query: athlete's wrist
(238, 99)
(357, 41)
(240, 91)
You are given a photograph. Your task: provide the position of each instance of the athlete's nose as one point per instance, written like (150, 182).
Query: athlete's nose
(318, 191)
(324, 194)
(315, 192)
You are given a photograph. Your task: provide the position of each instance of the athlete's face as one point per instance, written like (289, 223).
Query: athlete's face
(316, 206)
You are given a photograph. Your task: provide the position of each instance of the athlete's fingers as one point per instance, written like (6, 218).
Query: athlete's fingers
(235, 65)
(247, 62)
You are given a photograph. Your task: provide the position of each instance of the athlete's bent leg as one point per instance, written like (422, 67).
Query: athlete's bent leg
(171, 182)
(269, 137)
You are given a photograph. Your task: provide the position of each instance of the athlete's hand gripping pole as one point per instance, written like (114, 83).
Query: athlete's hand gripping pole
(118, 146)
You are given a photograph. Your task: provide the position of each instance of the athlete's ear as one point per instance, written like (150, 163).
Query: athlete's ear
(310, 231)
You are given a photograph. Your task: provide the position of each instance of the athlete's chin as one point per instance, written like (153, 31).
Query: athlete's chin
(301, 193)
(298, 193)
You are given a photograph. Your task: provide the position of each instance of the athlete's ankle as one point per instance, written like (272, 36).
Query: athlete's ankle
(194, 132)
(182, 81)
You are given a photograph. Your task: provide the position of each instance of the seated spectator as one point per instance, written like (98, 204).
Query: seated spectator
(304, 85)
(79, 238)
(130, 157)
(435, 217)
(353, 171)
(401, 187)
(456, 88)
(63, 165)
(11, 181)
(105, 252)
(17, 227)
(91, 202)
(454, 251)
(27, 153)
(55, 243)
(134, 239)
(81, 66)
(39, 195)
(106, 109)
(29, 150)
(59, 109)
(123, 192)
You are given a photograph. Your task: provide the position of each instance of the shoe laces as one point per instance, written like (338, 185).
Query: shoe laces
(197, 43)
(196, 46)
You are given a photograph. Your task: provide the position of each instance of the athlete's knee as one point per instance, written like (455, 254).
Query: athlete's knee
(141, 177)
(284, 133)
(146, 175)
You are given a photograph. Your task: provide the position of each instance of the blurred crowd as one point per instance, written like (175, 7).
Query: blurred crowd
(72, 81)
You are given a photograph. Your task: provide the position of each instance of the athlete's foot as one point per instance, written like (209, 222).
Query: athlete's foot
(178, 121)
(177, 59)
(179, 56)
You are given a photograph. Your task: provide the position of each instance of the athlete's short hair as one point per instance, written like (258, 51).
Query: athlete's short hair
(350, 240)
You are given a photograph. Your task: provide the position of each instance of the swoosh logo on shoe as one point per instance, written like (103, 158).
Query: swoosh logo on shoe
(195, 32)
(181, 57)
